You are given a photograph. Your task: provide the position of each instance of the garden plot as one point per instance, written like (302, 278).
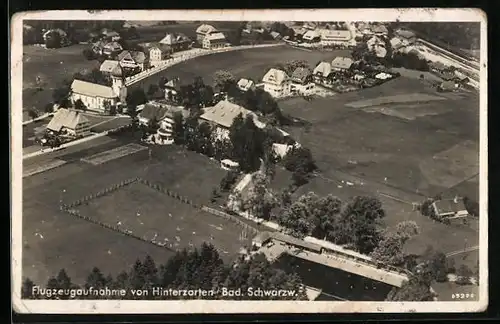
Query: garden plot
(113, 154)
(401, 98)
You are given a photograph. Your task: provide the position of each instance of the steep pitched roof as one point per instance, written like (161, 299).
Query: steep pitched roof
(124, 54)
(66, 118)
(245, 84)
(114, 46)
(300, 74)
(158, 111)
(405, 33)
(172, 39)
(138, 56)
(215, 36)
(323, 68)
(92, 89)
(224, 112)
(379, 29)
(311, 34)
(108, 66)
(342, 62)
(275, 76)
(205, 29)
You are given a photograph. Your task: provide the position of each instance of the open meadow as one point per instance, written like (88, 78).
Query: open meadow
(53, 240)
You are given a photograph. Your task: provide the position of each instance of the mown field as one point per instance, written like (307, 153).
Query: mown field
(77, 245)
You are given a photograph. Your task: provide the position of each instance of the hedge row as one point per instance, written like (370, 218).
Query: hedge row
(168, 192)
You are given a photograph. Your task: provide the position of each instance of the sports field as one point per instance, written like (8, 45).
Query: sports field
(53, 240)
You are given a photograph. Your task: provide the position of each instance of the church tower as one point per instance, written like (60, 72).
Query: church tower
(118, 83)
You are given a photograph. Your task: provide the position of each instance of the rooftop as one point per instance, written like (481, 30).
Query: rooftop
(275, 76)
(224, 112)
(323, 68)
(342, 62)
(450, 205)
(66, 118)
(158, 111)
(215, 36)
(92, 89)
(108, 66)
(300, 74)
(206, 29)
(245, 84)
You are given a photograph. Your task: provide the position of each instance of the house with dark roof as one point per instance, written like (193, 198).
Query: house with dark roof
(132, 59)
(162, 113)
(302, 81)
(341, 63)
(407, 37)
(69, 122)
(110, 35)
(203, 30)
(447, 208)
(111, 48)
(176, 42)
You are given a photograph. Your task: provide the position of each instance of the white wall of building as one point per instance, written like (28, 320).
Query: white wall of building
(93, 103)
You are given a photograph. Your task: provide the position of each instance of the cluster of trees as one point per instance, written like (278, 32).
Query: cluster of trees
(409, 60)
(290, 66)
(355, 224)
(472, 206)
(202, 268)
(390, 248)
(94, 76)
(283, 29)
(135, 98)
(193, 96)
(431, 266)
(464, 35)
(300, 162)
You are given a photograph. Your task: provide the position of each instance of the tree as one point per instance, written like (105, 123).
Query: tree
(299, 219)
(161, 83)
(471, 205)
(53, 40)
(415, 289)
(89, 54)
(135, 98)
(95, 279)
(150, 272)
(427, 209)
(260, 199)
(436, 264)
(33, 113)
(79, 105)
(228, 181)
(390, 250)
(49, 108)
(178, 128)
(407, 229)
(247, 143)
(223, 80)
(292, 65)
(60, 95)
(464, 273)
(299, 160)
(152, 90)
(359, 223)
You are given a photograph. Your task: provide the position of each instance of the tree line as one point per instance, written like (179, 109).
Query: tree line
(201, 268)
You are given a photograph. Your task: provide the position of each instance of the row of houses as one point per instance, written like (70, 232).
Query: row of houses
(323, 36)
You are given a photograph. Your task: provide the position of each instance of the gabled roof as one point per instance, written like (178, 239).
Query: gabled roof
(311, 34)
(437, 65)
(288, 239)
(300, 74)
(224, 112)
(172, 39)
(61, 32)
(108, 66)
(66, 118)
(323, 68)
(113, 45)
(405, 33)
(245, 84)
(379, 29)
(124, 54)
(158, 111)
(342, 62)
(205, 29)
(449, 206)
(275, 76)
(335, 34)
(299, 30)
(92, 89)
(275, 34)
(138, 57)
(215, 36)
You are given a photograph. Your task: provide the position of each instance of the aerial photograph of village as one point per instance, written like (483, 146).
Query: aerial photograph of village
(243, 160)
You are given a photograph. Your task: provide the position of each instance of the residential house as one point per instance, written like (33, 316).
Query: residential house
(379, 30)
(177, 42)
(447, 208)
(98, 97)
(132, 60)
(111, 68)
(155, 55)
(302, 81)
(215, 41)
(406, 36)
(341, 63)
(276, 83)
(298, 32)
(245, 85)
(98, 47)
(156, 52)
(69, 122)
(448, 86)
(397, 43)
(377, 45)
(275, 35)
(111, 48)
(311, 36)
(221, 117)
(204, 30)
(310, 25)
(110, 35)
(321, 72)
(437, 67)
(163, 114)
(336, 37)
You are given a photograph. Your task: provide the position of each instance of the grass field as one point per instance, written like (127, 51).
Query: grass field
(52, 66)
(77, 245)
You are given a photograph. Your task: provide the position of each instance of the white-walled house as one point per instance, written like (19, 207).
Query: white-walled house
(321, 72)
(132, 59)
(302, 81)
(215, 41)
(163, 114)
(203, 30)
(155, 56)
(69, 122)
(277, 83)
(245, 85)
(337, 37)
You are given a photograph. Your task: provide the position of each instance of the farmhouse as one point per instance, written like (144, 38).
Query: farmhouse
(69, 122)
(276, 83)
(97, 97)
(204, 30)
(110, 35)
(450, 208)
(341, 63)
(215, 41)
(245, 85)
(339, 37)
(163, 114)
(302, 81)
(275, 35)
(221, 117)
(176, 42)
(111, 68)
(311, 36)
(406, 36)
(321, 72)
(132, 59)
(111, 48)
(379, 30)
